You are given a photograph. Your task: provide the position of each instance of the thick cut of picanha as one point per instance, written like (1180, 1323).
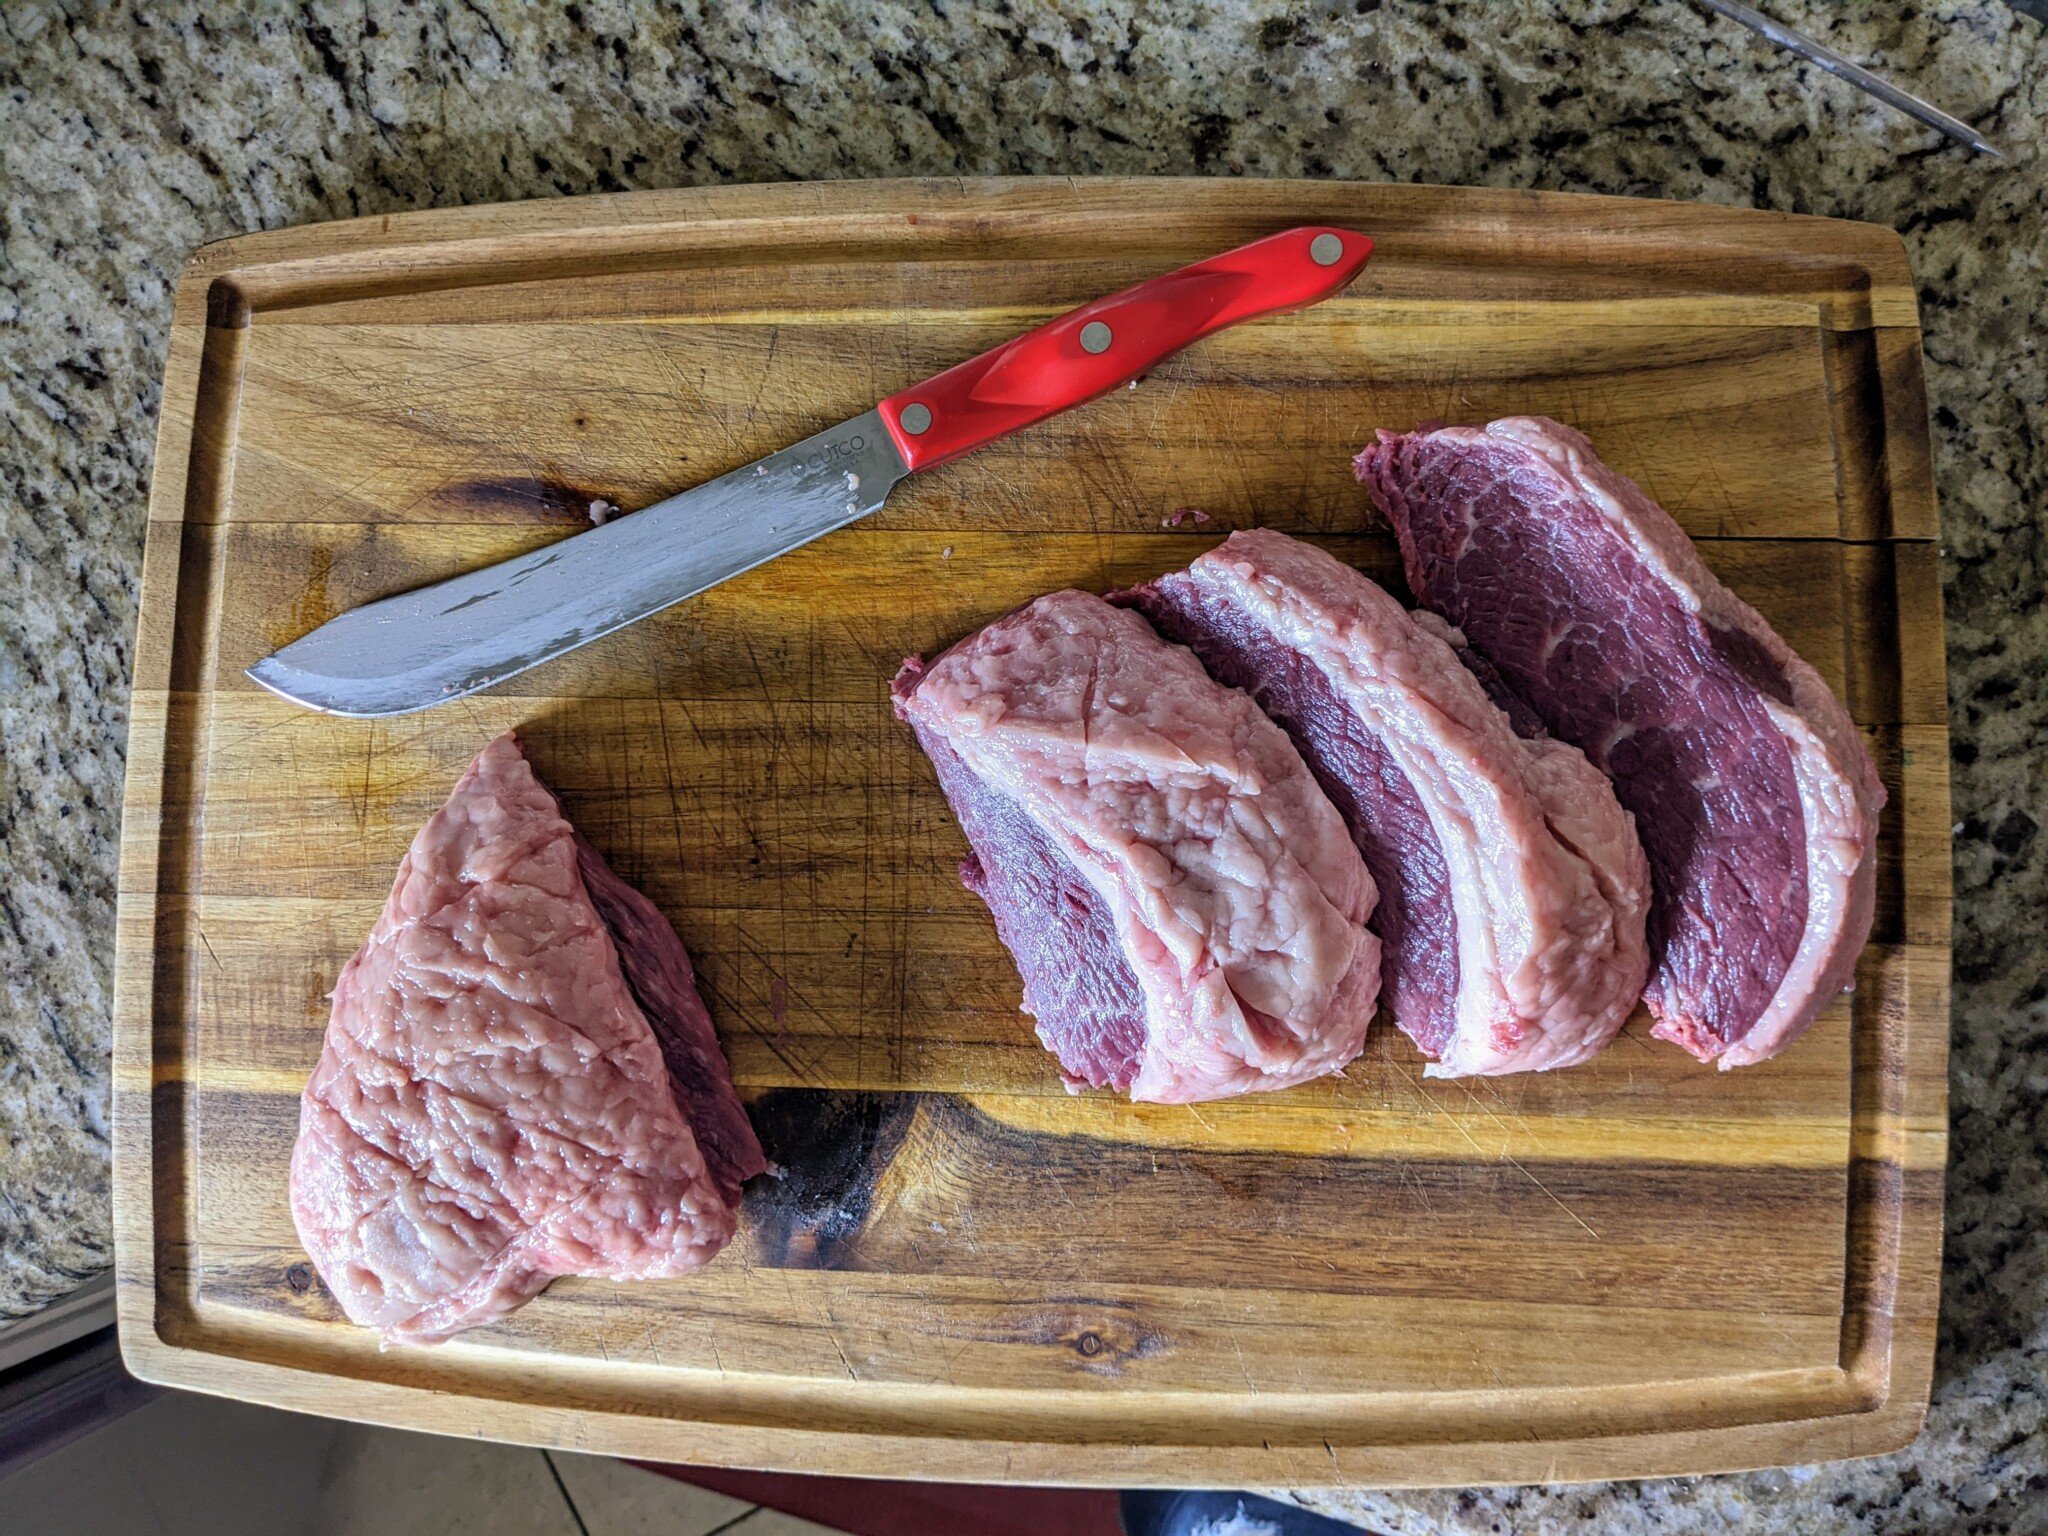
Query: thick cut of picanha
(1752, 791)
(519, 1080)
(1512, 888)
(1183, 903)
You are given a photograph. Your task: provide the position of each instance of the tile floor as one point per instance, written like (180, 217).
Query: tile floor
(199, 1466)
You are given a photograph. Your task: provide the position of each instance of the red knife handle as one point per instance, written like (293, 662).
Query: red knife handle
(1099, 346)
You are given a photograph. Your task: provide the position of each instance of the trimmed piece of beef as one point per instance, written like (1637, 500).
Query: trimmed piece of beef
(519, 1080)
(1512, 888)
(1181, 900)
(1752, 792)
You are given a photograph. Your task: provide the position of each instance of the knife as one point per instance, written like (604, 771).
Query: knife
(453, 638)
(1847, 69)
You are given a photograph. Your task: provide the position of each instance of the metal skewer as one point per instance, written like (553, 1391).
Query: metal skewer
(1855, 74)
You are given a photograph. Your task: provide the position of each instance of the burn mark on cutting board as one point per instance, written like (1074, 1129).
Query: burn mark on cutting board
(833, 1149)
(544, 498)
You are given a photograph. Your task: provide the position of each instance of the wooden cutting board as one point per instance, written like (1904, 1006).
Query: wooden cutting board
(1638, 1266)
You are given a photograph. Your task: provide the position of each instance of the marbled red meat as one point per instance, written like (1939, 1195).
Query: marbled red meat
(1752, 791)
(1182, 901)
(1512, 887)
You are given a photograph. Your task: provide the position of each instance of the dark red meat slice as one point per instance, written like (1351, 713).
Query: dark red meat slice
(1753, 794)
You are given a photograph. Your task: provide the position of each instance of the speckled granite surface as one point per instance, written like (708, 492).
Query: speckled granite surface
(129, 135)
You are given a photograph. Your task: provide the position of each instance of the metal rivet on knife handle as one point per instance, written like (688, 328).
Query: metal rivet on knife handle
(1326, 250)
(915, 419)
(1095, 337)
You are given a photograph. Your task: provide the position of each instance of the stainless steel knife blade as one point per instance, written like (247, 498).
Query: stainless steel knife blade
(444, 641)
(1847, 69)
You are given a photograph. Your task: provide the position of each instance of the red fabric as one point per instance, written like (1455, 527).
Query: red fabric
(872, 1508)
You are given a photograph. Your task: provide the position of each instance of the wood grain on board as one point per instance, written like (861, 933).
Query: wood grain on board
(1639, 1266)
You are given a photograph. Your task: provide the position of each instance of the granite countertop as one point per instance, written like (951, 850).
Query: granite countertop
(131, 134)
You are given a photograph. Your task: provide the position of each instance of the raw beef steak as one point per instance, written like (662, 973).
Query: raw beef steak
(1752, 792)
(519, 1080)
(1512, 888)
(1181, 899)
